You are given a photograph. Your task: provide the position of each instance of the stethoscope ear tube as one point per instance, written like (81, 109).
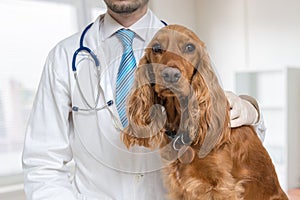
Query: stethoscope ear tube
(89, 51)
(82, 95)
(91, 108)
(74, 59)
(83, 48)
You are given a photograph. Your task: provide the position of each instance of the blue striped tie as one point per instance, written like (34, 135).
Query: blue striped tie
(126, 73)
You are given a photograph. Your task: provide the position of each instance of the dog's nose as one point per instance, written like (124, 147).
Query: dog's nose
(171, 75)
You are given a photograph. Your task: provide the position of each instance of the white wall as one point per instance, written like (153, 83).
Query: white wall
(221, 26)
(274, 33)
(176, 11)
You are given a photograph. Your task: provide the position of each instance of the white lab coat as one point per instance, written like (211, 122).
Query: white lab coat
(104, 168)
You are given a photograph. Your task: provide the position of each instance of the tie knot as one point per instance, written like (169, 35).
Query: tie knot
(126, 36)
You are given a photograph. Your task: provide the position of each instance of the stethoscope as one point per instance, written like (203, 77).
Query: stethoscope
(94, 57)
(100, 92)
(90, 53)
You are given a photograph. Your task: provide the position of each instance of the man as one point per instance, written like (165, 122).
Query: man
(56, 134)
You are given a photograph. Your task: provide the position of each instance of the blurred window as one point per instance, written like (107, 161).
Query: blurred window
(29, 29)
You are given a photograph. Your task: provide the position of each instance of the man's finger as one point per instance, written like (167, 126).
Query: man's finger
(236, 123)
(234, 113)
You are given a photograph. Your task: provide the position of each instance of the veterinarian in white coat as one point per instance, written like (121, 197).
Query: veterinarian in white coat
(56, 134)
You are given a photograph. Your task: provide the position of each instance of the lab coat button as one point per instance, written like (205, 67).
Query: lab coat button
(139, 177)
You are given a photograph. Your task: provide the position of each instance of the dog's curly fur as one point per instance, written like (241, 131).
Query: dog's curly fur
(218, 162)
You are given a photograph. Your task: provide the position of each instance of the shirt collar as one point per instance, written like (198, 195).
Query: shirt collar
(110, 26)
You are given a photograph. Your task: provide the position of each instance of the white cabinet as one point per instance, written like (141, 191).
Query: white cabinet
(278, 94)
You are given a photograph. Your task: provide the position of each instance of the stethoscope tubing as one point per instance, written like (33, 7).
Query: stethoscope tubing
(83, 48)
(89, 51)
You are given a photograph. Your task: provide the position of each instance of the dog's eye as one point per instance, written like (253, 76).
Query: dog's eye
(189, 48)
(156, 48)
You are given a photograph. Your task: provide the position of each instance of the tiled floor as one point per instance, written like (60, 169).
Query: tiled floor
(294, 194)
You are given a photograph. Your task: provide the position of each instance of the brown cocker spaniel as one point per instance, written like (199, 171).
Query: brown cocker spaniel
(178, 106)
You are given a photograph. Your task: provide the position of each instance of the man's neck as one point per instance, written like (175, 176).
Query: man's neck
(127, 20)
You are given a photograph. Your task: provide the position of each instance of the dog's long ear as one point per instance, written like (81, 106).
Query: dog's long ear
(213, 127)
(144, 117)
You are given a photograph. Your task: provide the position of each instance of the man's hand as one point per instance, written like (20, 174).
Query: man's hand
(242, 112)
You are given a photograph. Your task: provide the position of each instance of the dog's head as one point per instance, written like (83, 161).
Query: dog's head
(174, 53)
(176, 74)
